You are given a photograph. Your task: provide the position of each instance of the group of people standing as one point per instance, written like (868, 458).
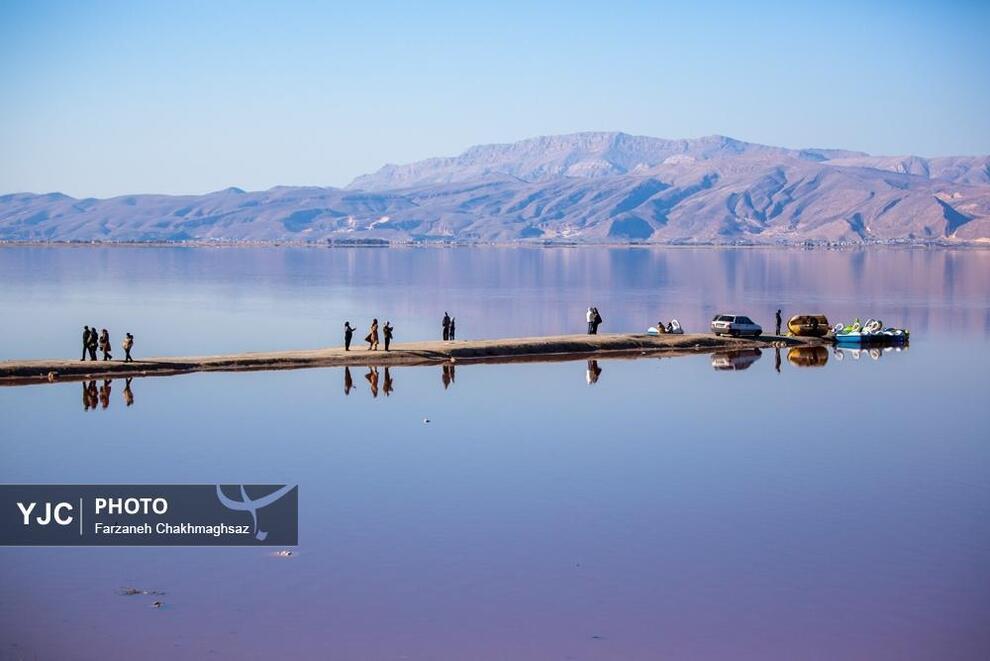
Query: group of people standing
(388, 332)
(448, 324)
(594, 320)
(93, 340)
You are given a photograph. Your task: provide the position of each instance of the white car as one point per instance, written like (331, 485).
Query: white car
(735, 325)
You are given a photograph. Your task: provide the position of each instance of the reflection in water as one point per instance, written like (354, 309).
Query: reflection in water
(874, 353)
(372, 377)
(739, 359)
(348, 381)
(105, 393)
(387, 383)
(94, 398)
(776, 359)
(593, 372)
(807, 356)
(448, 375)
(541, 292)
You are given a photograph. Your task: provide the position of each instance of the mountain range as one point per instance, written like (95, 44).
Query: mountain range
(585, 188)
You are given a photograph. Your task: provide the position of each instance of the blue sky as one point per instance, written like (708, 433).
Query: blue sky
(109, 98)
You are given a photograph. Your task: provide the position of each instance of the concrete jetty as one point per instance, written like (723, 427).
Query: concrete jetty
(523, 349)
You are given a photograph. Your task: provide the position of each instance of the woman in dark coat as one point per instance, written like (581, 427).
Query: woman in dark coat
(372, 337)
(105, 344)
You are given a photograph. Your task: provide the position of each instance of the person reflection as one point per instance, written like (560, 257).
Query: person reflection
(128, 394)
(86, 399)
(447, 376)
(348, 381)
(776, 356)
(387, 383)
(372, 377)
(105, 393)
(94, 398)
(593, 372)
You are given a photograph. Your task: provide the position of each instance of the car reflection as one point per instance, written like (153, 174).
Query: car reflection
(736, 360)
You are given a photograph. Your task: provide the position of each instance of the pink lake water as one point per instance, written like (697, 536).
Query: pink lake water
(666, 510)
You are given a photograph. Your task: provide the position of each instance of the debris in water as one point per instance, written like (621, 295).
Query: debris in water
(130, 592)
(157, 604)
(426, 421)
(283, 554)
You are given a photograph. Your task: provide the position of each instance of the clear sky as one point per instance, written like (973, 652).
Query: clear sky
(109, 98)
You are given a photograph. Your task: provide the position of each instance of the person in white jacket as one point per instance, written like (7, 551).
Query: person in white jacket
(591, 321)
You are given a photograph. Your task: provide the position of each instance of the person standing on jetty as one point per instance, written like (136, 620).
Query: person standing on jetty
(372, 337)
(779, 319)
(453, 328)
(105, 344)
(94, 339)
(387, 331)
(590, 316)
(127, 345)
(85, 342)
(348, 335)
(446, 326)
(596, 321)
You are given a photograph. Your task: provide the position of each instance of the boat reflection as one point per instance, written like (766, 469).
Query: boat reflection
(874, 353)
(736, 360)
(808, 356)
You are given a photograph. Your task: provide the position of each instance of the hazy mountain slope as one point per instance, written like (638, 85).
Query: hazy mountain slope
(587, 155)
(603, 187)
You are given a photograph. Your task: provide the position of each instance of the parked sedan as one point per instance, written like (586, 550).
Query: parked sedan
(735, 325)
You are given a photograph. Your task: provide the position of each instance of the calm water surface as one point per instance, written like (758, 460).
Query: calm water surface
(621, 510)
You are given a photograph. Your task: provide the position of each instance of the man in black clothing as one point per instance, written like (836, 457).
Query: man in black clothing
(779, 320)
(453, 328)
(91, 345)
(446, 326)
(348, 335)
(387, 331)
(85, 342)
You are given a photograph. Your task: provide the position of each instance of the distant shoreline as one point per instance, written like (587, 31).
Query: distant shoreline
(803, 245)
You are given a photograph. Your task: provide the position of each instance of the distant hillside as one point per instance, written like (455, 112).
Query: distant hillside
(585, 187)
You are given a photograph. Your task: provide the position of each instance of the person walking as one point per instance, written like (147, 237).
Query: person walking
(372, 337)
(387, 332)
(446, 326)
(127, 345)
(105, 344)
(779, 319)
(348, 335)
(94, 339)
(85, 342)
(453, 328)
